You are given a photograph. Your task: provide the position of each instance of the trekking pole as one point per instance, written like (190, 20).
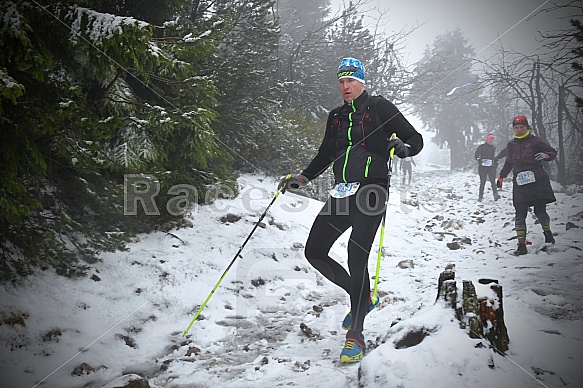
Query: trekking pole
(233, 261)
(374, 297)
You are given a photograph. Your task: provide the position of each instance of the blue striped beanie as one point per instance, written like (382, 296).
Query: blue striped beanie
(351, 68)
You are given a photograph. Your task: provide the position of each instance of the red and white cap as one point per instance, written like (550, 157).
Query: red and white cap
(519, 120)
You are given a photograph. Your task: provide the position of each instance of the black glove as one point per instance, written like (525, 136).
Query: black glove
(542, 156)
(401, 149)
(499, 182)
(292, 181)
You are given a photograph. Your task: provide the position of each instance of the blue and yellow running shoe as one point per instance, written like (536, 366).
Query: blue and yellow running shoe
(347, 322)
(353, 351)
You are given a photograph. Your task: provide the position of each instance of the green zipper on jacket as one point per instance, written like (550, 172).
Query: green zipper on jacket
(349, 140)
(368, 160)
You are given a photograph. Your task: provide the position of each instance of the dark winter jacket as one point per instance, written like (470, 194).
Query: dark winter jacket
(520, 157)
(356, 143)
(486, 151)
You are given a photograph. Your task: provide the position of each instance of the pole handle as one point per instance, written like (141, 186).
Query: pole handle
(392, 151)
(281, 189)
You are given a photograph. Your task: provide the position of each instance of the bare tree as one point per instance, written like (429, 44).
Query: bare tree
(546, 87)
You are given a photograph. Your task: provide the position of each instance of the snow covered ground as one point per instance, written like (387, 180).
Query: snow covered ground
(275, 322)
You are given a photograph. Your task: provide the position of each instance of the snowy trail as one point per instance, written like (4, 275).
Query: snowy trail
(274, 335)
(264, 347)
(265, 327)
(274, 321)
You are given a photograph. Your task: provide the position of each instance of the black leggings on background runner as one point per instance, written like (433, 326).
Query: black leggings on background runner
(363, 212)
(540, 211)
(407, 168)
(487, 173)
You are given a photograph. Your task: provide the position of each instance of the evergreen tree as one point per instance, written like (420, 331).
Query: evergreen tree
(444, 97)
(87, 97)
(244, 69)
(305, 56)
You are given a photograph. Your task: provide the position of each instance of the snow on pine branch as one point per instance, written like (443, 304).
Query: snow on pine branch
(99, 26)
(190, 38)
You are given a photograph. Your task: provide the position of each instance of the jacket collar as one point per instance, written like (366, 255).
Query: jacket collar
(526, 134)
(358, 102)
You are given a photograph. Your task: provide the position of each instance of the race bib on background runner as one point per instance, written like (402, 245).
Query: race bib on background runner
(342, 190)
(525, 177)
(487, 162)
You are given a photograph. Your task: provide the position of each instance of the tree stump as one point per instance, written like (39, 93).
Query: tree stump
(483, 315)
(492, 317)
(471, 309)
(447, 288)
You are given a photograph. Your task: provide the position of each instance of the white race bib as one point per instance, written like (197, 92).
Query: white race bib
(524, 178)
(342, 190)
(487, 162)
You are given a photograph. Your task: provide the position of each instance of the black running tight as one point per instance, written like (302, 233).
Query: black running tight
(363, 212)
(487, 173)
(540, 211)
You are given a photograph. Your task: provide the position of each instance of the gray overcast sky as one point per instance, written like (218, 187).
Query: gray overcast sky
(481, 21)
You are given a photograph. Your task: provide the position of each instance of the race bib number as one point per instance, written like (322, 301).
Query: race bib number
(487, 162)
(342, 190)
(524, 178)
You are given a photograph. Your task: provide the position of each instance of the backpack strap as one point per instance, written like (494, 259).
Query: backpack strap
(371, 106)
(333, 121)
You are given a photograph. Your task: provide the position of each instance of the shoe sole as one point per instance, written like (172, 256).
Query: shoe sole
(351, 359)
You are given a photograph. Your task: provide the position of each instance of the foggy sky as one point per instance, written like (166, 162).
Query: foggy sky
(481, 21)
